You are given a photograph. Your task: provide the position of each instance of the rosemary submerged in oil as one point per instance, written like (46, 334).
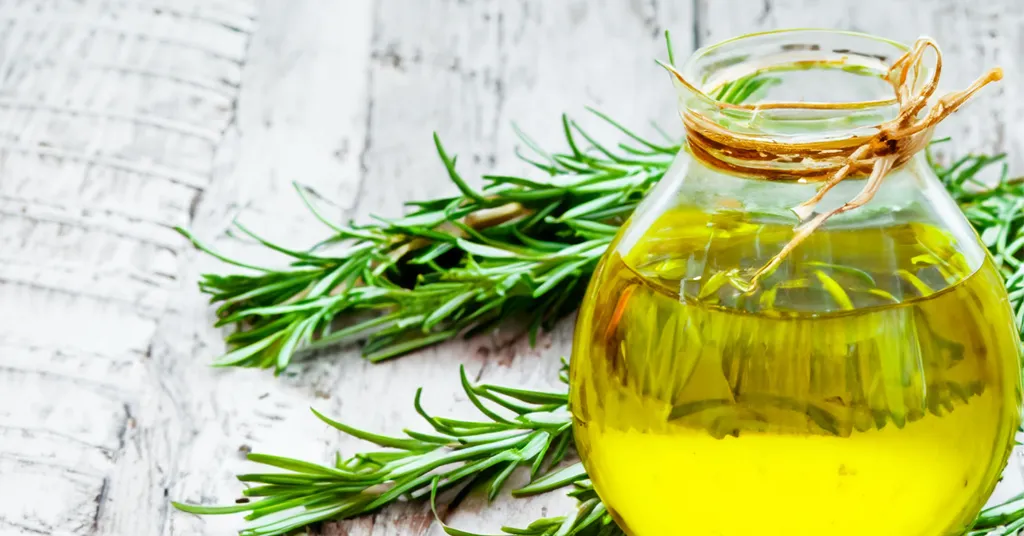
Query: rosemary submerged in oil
(891, 390)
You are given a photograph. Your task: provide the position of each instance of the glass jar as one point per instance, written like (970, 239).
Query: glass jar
(869, 384)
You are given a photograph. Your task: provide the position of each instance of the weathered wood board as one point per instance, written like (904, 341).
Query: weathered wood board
(120, 119)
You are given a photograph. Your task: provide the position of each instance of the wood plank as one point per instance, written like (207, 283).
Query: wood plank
(120, 120)
(109, 120)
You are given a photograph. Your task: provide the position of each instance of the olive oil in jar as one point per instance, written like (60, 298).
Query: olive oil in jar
(868, 386)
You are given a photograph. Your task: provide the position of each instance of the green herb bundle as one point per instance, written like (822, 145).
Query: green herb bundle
(523, 428)
(459, 265)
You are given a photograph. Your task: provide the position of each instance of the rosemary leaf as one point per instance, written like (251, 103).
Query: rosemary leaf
(533, 434)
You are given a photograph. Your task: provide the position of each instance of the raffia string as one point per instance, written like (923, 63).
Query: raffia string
(895, 142)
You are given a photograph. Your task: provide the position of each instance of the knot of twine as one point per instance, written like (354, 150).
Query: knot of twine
(895, 142)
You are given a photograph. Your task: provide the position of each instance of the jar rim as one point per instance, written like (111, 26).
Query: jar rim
(732, 121)
(693, 80)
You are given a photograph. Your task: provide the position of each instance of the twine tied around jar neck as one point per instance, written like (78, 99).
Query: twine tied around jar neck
(896, 141)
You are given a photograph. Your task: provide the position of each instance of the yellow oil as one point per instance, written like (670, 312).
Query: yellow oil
(869, 387)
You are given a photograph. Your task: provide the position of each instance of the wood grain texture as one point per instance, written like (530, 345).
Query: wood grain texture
(120, 119)
(110, 117)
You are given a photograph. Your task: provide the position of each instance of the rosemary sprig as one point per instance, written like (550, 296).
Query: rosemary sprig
(591, 518)
(523, 429)
(1004, 519)
(457, 265)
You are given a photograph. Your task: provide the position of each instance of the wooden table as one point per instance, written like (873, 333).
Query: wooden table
(120, 119)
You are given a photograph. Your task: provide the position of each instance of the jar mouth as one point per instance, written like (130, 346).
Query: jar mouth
(796, 84)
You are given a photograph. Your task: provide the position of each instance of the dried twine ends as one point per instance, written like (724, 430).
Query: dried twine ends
(897, 140)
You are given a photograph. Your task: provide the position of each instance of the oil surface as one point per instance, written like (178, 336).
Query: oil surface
(870, 386)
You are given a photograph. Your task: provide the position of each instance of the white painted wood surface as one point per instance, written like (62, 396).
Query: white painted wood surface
(120, 119)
